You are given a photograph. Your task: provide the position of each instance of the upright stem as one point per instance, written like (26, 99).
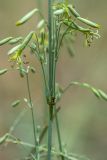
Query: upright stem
(56, 32)
(53, 46)
(58, 133)
(32, 112)
(51, 77)
(50, 44)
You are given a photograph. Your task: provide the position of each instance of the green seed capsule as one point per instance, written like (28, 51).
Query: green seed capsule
(15, 103)
(81, 28)
(96, 93)
(89, 23)
(41, 24)
(103, 94)
(67, 23)
(71, 51)
(26, 40)
(15, 40)
(26, 17)
(73, 11)
(42, 35)
(71, 24)
(3, 71)
(19, 48)
(4, 138)
(58, 12)
(4, 41)
(32, 69)
(14, 49)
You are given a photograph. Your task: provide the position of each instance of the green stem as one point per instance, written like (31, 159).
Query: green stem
(45, 80)
(53, 51)
(58, 132)
(50, 132)
(60, 42)
(50, 96)
(32, 112)
(50, 44)
(56, 31)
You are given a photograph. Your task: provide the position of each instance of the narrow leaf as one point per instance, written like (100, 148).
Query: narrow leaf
(15, 103)
(26, 17)
(4, 41)
(3, 71)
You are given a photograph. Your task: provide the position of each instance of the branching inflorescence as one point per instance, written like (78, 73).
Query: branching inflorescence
(63, 23)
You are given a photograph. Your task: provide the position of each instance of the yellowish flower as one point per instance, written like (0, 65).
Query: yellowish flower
(16, 57)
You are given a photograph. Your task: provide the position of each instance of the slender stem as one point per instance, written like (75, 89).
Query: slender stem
(67, 156)
(50, 132)
(32, 112)
(45, 80)
(44, 130)
(56, 30)
(58, 133)
(53, 51)
(50, 104)
(46, 126)
(50, 44)
(60, 42)
(57, 38)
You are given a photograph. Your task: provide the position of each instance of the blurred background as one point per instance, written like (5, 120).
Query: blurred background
(83, 117)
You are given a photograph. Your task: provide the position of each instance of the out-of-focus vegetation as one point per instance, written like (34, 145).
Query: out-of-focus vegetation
(83, 118)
